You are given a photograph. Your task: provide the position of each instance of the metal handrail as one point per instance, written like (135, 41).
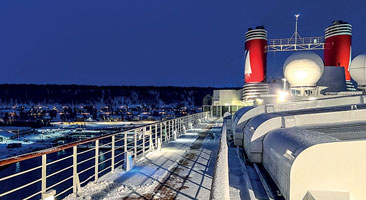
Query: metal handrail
(18, 188)
(86, 151)
(59, 160)
(104, 169)
(89, 168)
(58, 183)
(19, 173)
(149, 135)
(295, 44)
(33, 195)
(86, 160)
(62, 170)
(62, 147)
(119, 162)
(299, 41)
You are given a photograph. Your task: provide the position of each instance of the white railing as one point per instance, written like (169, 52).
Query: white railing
(292, 44)
(80, 162)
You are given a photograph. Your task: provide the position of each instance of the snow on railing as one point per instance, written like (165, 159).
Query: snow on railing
(220, 189)
(62, 170)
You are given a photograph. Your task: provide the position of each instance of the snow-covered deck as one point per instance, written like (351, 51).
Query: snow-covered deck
(183, 169)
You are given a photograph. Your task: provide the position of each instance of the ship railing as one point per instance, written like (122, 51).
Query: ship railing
(305, 40)
(291, 44)
(81, 162)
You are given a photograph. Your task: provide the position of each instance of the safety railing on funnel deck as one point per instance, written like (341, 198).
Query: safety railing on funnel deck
(65, 169)
(295, 44)
(299, 41)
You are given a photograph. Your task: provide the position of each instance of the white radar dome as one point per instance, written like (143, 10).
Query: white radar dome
(303, 69)
(358, 69)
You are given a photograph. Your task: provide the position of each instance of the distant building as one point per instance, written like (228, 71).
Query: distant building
(224, 101)
(114, 118)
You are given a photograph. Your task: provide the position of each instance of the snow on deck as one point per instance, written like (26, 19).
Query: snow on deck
(183, 169)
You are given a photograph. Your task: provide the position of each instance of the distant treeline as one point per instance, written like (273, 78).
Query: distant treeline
(108, 95)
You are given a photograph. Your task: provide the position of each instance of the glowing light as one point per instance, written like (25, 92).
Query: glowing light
(301, 75)
(282, 96)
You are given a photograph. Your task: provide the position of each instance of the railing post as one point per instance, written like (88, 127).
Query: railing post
(125, 141)
(181, 125)
(151, 147)
(166, 131)
(75, 176)
(113, 153)
(170, 128)
(96, 168)
(44, 173)
(156, 135)
(186, 121)
(74, 168)
(174, 126)
(135, 143)
(161, 131)
(178, 126)
(143, 140)
(175, 129)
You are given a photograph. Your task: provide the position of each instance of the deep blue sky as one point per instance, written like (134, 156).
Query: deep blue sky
(153, 42)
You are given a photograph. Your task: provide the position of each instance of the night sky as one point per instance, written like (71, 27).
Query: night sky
(154, 42)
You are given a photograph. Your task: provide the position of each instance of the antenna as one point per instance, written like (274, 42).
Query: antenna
(297, 18)
(296, 34)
